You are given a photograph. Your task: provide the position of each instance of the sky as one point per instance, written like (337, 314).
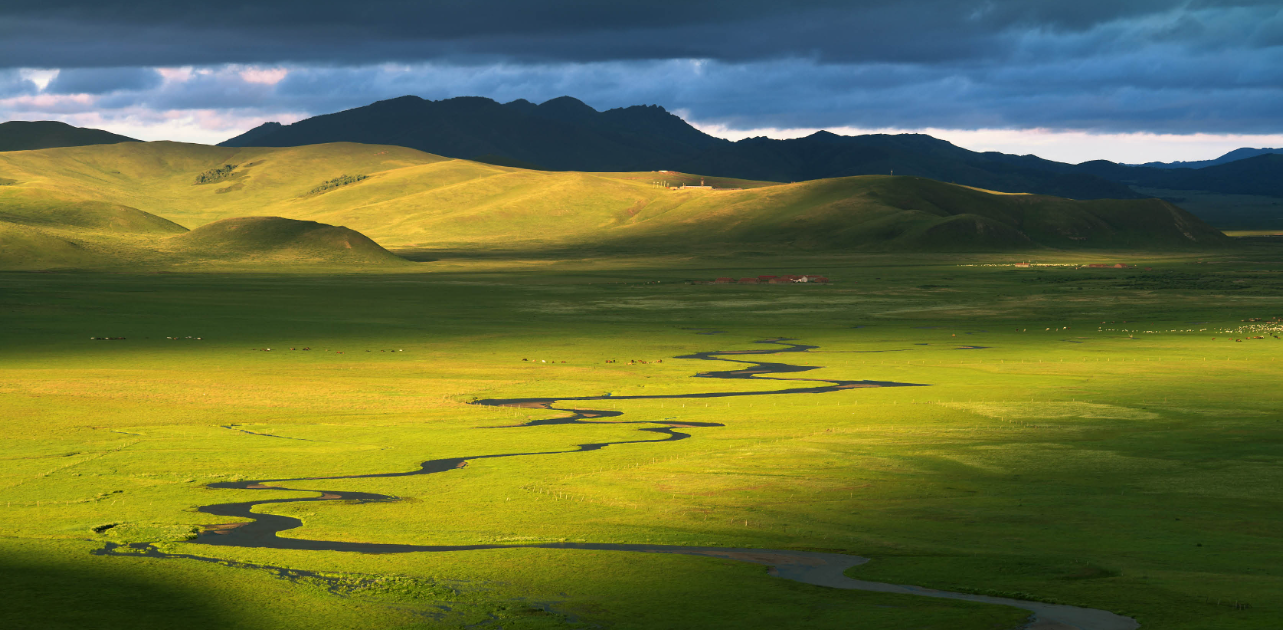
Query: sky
(1126, 80)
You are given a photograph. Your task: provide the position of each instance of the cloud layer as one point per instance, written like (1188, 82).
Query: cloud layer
(1129, 67)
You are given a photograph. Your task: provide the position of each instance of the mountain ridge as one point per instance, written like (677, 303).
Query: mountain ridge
(559, 134)
(1232, 156)
(20, 135)
(565, 134)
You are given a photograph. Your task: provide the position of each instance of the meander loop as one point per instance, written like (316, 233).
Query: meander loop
(822, 569)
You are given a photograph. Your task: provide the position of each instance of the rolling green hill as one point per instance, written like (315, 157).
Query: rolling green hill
(42, 230)
(25, 247)
(240, 242)
(273, 239)
(406, 199)
(44, 209)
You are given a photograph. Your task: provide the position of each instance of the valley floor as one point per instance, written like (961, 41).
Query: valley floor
(1107, 438)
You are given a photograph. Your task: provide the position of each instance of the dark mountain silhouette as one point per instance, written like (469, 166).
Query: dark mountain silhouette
(19, 135)
(824, 154)
(1260, 175)
(256, 135)
(566, 134)
(561, 134)
(1232, 156)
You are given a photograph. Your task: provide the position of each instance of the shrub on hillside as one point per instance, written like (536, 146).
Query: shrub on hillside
(337, 182)
(216, 174)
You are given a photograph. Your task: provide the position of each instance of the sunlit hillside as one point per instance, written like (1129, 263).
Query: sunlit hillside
(406, 199)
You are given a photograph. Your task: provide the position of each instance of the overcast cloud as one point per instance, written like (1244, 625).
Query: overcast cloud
(207, 71)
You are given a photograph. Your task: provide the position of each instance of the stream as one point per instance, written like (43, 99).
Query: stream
(822, 569)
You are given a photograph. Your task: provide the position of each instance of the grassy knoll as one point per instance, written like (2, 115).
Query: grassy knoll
(103, 236)
(1089, 436)
(264, 239)
(406, 199)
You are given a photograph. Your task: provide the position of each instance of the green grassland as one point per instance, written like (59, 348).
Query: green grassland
(112, 205)
(1226, 211)
(1099, 437)
(1095, 437)
(242, 243)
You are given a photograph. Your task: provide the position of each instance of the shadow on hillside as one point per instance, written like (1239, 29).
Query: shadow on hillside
(578, 253)
(52, 596)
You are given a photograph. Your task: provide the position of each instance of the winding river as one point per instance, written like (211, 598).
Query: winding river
(823, 569)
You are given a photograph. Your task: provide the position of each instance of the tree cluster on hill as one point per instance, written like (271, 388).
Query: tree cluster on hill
(337, 182)
(216, 174)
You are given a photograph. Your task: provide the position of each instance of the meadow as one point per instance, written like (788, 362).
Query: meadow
(126, 207)
(1106, 438)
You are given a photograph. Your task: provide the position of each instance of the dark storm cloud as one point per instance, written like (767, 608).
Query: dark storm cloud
(55, 33)
(1170, 66)
(102, 80)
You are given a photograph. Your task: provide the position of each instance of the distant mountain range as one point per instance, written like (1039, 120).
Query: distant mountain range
(1243, 188)
(47, 134)
(562, 134)
(1260, 175)
(566, 134)
(1232, 156)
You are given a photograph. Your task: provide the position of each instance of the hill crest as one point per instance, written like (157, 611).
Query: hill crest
(282, 239)
(18, 135)
(564, 134)
(1232, 156)
(405, 199)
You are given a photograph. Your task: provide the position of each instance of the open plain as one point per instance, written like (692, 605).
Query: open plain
(511, 315)
(1105, 438)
